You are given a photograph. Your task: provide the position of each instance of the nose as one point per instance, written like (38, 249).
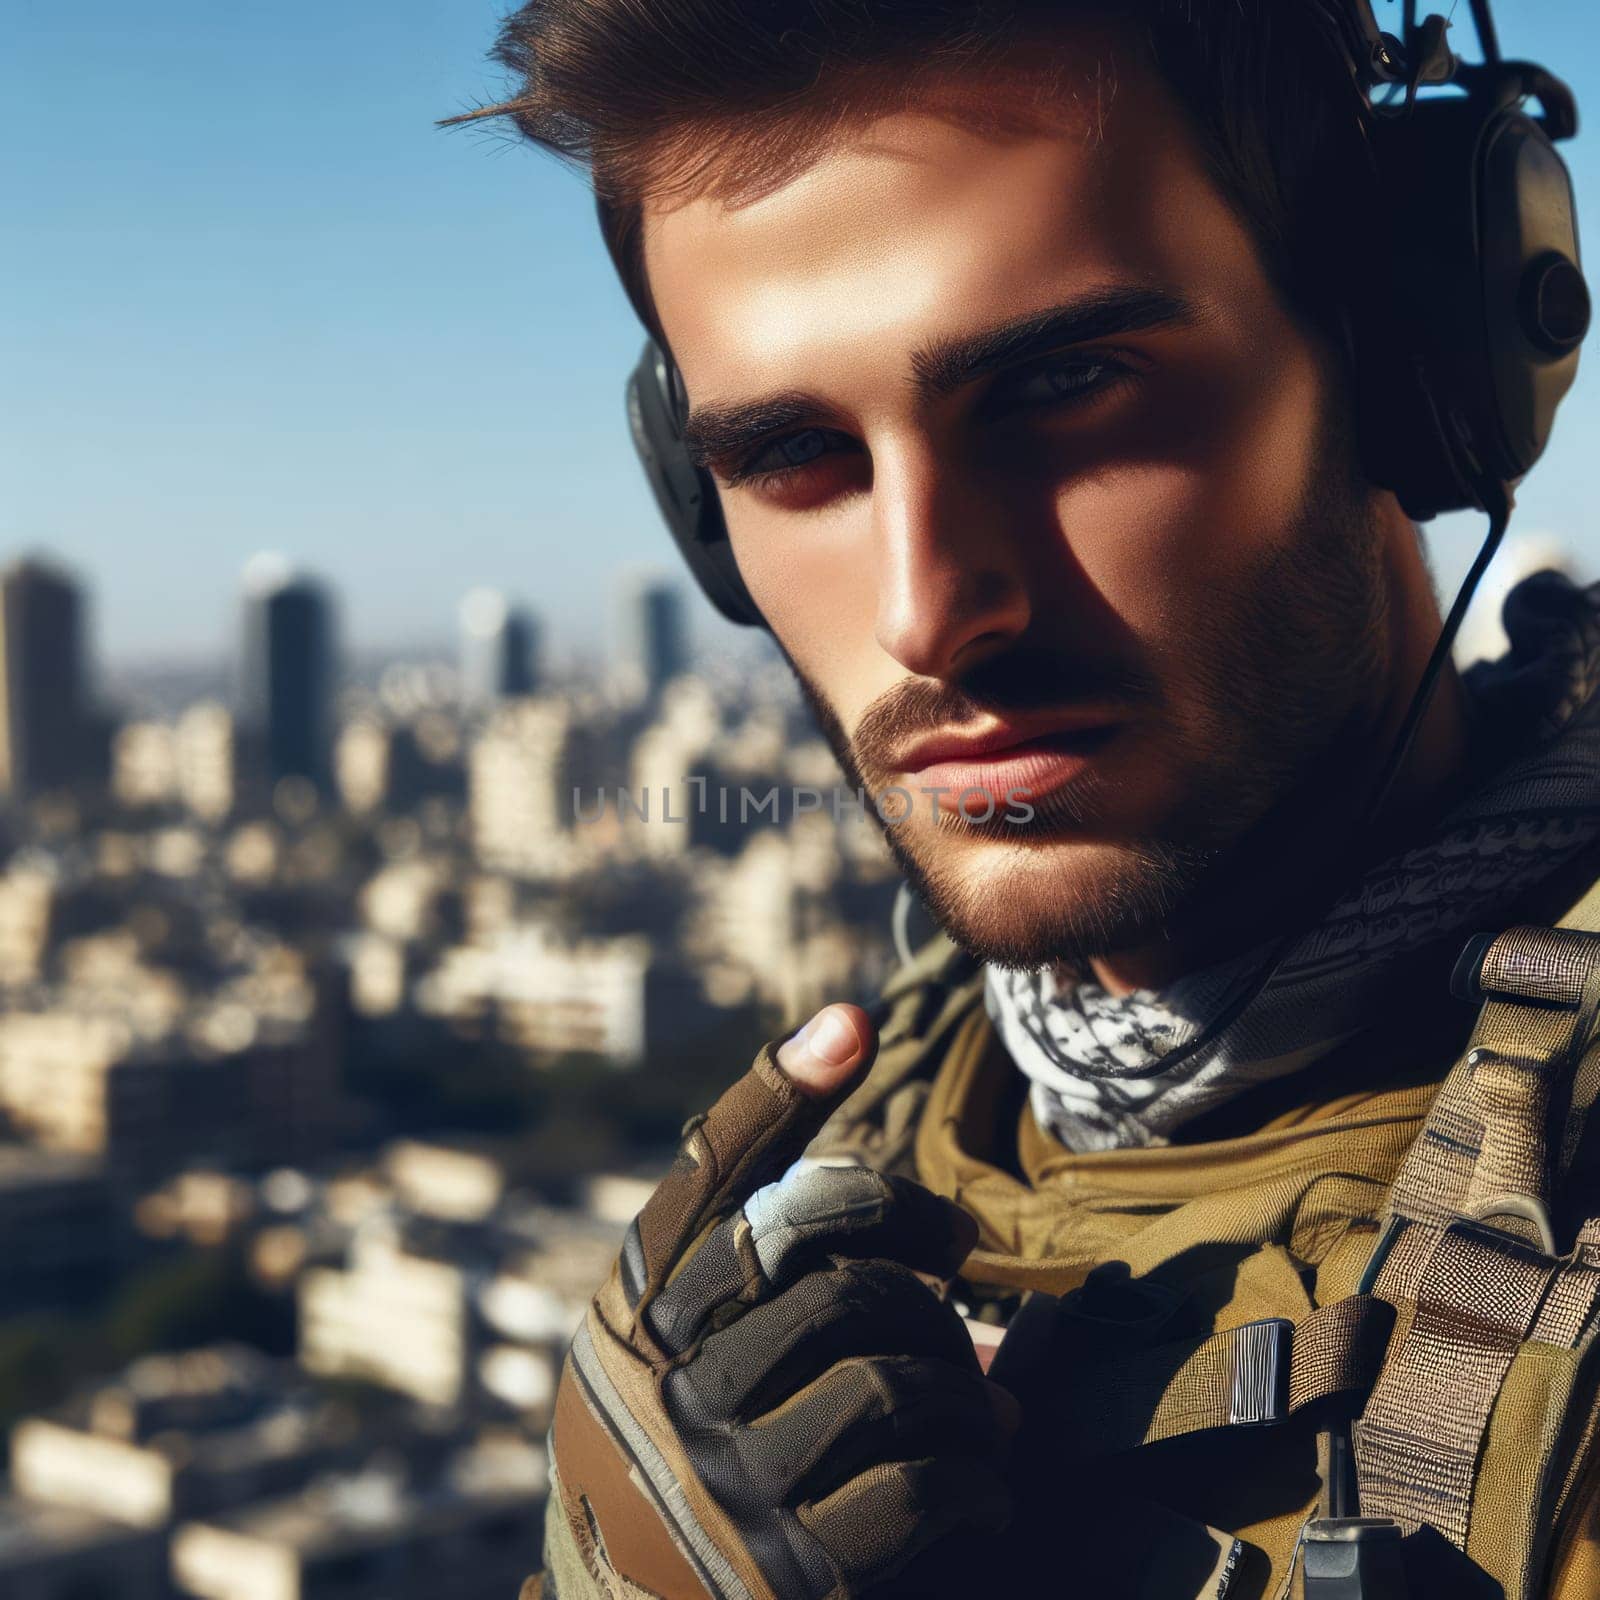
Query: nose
(952, 583)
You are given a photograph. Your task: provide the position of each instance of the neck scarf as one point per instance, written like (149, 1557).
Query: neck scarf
(1110, 1071)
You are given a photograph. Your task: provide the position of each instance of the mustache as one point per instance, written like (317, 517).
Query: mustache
(1021, 680)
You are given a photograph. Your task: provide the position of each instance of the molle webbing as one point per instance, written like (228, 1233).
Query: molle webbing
(1490, 1138)
(1469, 1254)
(1574, 1296)
(1418, 1442)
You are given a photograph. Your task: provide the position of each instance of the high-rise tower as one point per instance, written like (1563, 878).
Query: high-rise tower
(287, 676)
(652, 633)
(499, 649)
(47, 733)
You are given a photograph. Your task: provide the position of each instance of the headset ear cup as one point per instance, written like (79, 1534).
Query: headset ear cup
(1472, 316)
(1536, 302)
(685, 492)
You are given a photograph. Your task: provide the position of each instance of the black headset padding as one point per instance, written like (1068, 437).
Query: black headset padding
(685, 492)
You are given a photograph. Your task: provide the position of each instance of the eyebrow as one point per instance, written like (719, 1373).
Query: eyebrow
(714, 432)
(949, 364)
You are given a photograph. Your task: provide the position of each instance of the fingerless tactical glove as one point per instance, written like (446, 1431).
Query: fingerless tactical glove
(765, 1402)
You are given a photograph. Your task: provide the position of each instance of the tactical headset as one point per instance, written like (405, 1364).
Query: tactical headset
(1464, 339)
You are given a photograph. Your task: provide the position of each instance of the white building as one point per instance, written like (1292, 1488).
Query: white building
(205, 759)
(390, 1318)
(474, 1536)
(517, 788)
(613, 998)
(28, 898)
(181, 1436)
(144, 765)
(230, 1082)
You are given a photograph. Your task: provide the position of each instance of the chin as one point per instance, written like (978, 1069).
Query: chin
(1029, 903)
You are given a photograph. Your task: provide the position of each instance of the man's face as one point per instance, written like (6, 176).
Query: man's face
(1030, 471)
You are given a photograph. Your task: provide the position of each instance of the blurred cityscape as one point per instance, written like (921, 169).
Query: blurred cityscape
(347, 1018)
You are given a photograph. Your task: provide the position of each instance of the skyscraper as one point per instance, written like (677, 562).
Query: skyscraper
(652, 635)
(47, 734)
(499, 649)
(286, 681)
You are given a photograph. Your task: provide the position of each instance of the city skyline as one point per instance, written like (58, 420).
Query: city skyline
(338, 1043)
(481, 661)
(265, 303)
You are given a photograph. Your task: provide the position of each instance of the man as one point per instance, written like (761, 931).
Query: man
(1016, 339)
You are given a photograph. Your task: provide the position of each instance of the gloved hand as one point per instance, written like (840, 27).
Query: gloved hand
(765, 1402)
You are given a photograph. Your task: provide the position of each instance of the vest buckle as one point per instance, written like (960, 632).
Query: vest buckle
(1260, 1393)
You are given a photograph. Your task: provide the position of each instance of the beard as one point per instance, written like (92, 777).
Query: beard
(1278, 673)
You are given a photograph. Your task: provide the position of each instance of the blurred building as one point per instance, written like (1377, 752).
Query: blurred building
(182, 1436)
(392, 1318)
(47, 906)
(439, 1181)
(49, 738)
(451, 1288)
(499, 649)
(471, 1534)
(415, 900)
(184, 975)
(381, 973)
(144, 764)
(620, 999)
(287, 671)
(676, 797)
(390, 768)
(205, 761)
(518, 789)
(652, 637)
(28, 906)
(59, 1229)
(227, 1084)
(202, 1205)
(49, 1552)
(363, 765)
(791, 920)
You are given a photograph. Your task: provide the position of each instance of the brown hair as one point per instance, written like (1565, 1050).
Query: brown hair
(656, 97)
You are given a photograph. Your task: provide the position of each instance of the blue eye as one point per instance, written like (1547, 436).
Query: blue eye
(1062, 381)
(802, 447)
(785, 455)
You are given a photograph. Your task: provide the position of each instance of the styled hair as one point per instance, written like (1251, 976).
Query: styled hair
(657, 97)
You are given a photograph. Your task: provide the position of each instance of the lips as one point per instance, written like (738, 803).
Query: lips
(1008, 764)
(1004, 738)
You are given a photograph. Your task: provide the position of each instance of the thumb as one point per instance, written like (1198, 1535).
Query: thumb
(826, 1053)
(749, 1137)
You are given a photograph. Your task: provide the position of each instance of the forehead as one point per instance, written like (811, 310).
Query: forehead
(917, 223)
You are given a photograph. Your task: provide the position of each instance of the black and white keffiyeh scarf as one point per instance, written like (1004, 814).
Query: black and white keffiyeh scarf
(1113, 1071)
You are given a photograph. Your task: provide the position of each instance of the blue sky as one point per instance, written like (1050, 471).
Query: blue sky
(255, 299)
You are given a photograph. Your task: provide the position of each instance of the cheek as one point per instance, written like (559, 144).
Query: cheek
(813, 580)
(1166, 537)
(1175, 536)
(802, 571)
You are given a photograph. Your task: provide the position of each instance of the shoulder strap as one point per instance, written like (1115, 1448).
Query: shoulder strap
(1469, 1253)
(1466, 1274)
